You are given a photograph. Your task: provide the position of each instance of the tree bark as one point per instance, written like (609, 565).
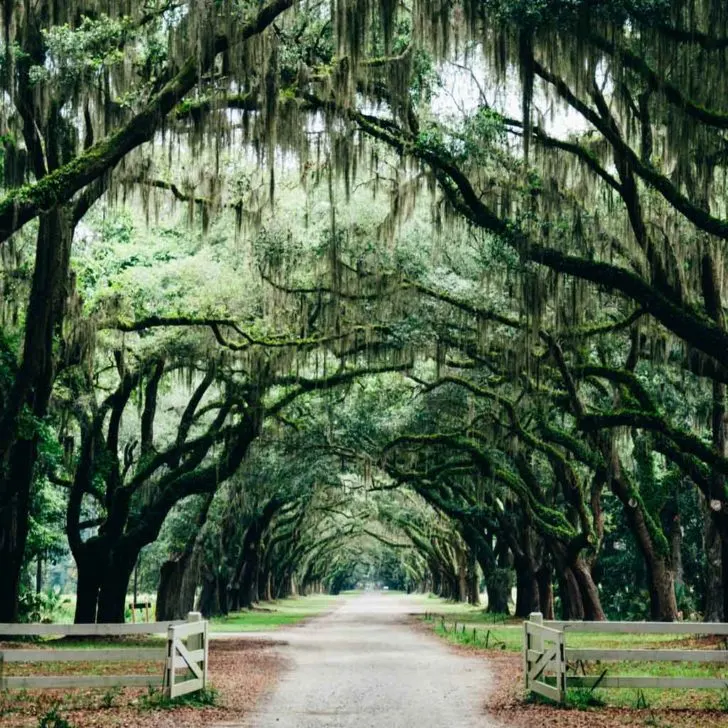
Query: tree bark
(589, 592)
(39, 575)
(498, 589)
(663, 606)
(268, 591)
(545, 591)
(717, 569)
(246, 587)
(91, 563)
(114, 586)
(179, 577)
(177, 586)
(527, 593)
(209, 602)
(473, 580)
(572, 607)
(463, 591)
(246, 582)
(712, 545)
(31, 392)
(14, 525)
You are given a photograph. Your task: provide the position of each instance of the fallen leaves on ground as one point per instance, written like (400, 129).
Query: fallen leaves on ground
(509, 705)
(241, 670)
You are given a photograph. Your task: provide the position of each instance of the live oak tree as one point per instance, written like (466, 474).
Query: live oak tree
(86, 87)
(629, 200)
(571, 290)
(105, 66)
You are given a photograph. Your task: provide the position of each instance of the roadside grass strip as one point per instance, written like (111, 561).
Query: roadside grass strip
(274, 615)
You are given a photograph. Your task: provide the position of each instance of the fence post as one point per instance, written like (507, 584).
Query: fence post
(537, 643)
(194, 641)
(526, 646)
(199, 642)
(169, 672)
(531, 642)
(204, 664)
(561, 667)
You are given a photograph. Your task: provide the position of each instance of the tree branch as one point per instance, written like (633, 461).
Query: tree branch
(25, 203)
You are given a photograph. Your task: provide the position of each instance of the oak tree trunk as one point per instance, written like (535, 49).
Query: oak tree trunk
(30, 394)
(498, 588)
(527, 593)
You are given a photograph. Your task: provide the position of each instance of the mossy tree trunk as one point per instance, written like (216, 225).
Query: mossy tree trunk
(247, 576)
(527, 589)
(179, 576)
(29, 397)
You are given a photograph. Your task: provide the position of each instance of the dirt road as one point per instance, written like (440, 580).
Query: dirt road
(362, 666)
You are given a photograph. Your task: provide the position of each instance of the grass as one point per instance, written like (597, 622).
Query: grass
(274, 615)
(658, 698)
(27, 703)
(53, 719)
(472, 627)
(476, 634)
(267, 616)
(91, 643)
(64, 607)
(155, 699)
(432, 603)
(109, 667)
(464, 624)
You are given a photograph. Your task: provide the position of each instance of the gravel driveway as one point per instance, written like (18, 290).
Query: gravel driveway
(362, 666)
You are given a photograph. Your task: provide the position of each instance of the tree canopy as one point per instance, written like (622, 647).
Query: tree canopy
(299, 295)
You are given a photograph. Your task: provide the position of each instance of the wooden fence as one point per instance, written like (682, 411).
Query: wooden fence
(190, 656)
(176, 655)
(547, 658)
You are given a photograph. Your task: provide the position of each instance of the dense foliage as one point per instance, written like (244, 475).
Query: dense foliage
(296, 296)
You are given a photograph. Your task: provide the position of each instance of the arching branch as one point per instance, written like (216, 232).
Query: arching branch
(25, 203)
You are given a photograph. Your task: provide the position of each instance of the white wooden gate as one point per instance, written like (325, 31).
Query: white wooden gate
(545, 654)
(177, 655)
(190, 656)
(544, 663)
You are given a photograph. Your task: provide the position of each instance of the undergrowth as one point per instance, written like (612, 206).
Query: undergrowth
(53, 719)
(156, 699)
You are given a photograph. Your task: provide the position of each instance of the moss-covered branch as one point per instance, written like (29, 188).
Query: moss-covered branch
(687, 442)
(691, 325)
(697, 215)
(302, 385)
(25, 203)
(672, 93)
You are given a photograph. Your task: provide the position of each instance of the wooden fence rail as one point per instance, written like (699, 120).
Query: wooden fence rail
(175, 655)
(546, 655)
(190, 656)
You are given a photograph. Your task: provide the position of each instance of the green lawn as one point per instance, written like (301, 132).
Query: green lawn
(273, 615)
(95, 643)
(456, 622)
(476, 630)
(431, 603)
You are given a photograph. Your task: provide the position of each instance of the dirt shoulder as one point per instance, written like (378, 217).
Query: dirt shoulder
(241, 670)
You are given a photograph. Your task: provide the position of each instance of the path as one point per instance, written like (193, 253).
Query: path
(363, 667)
